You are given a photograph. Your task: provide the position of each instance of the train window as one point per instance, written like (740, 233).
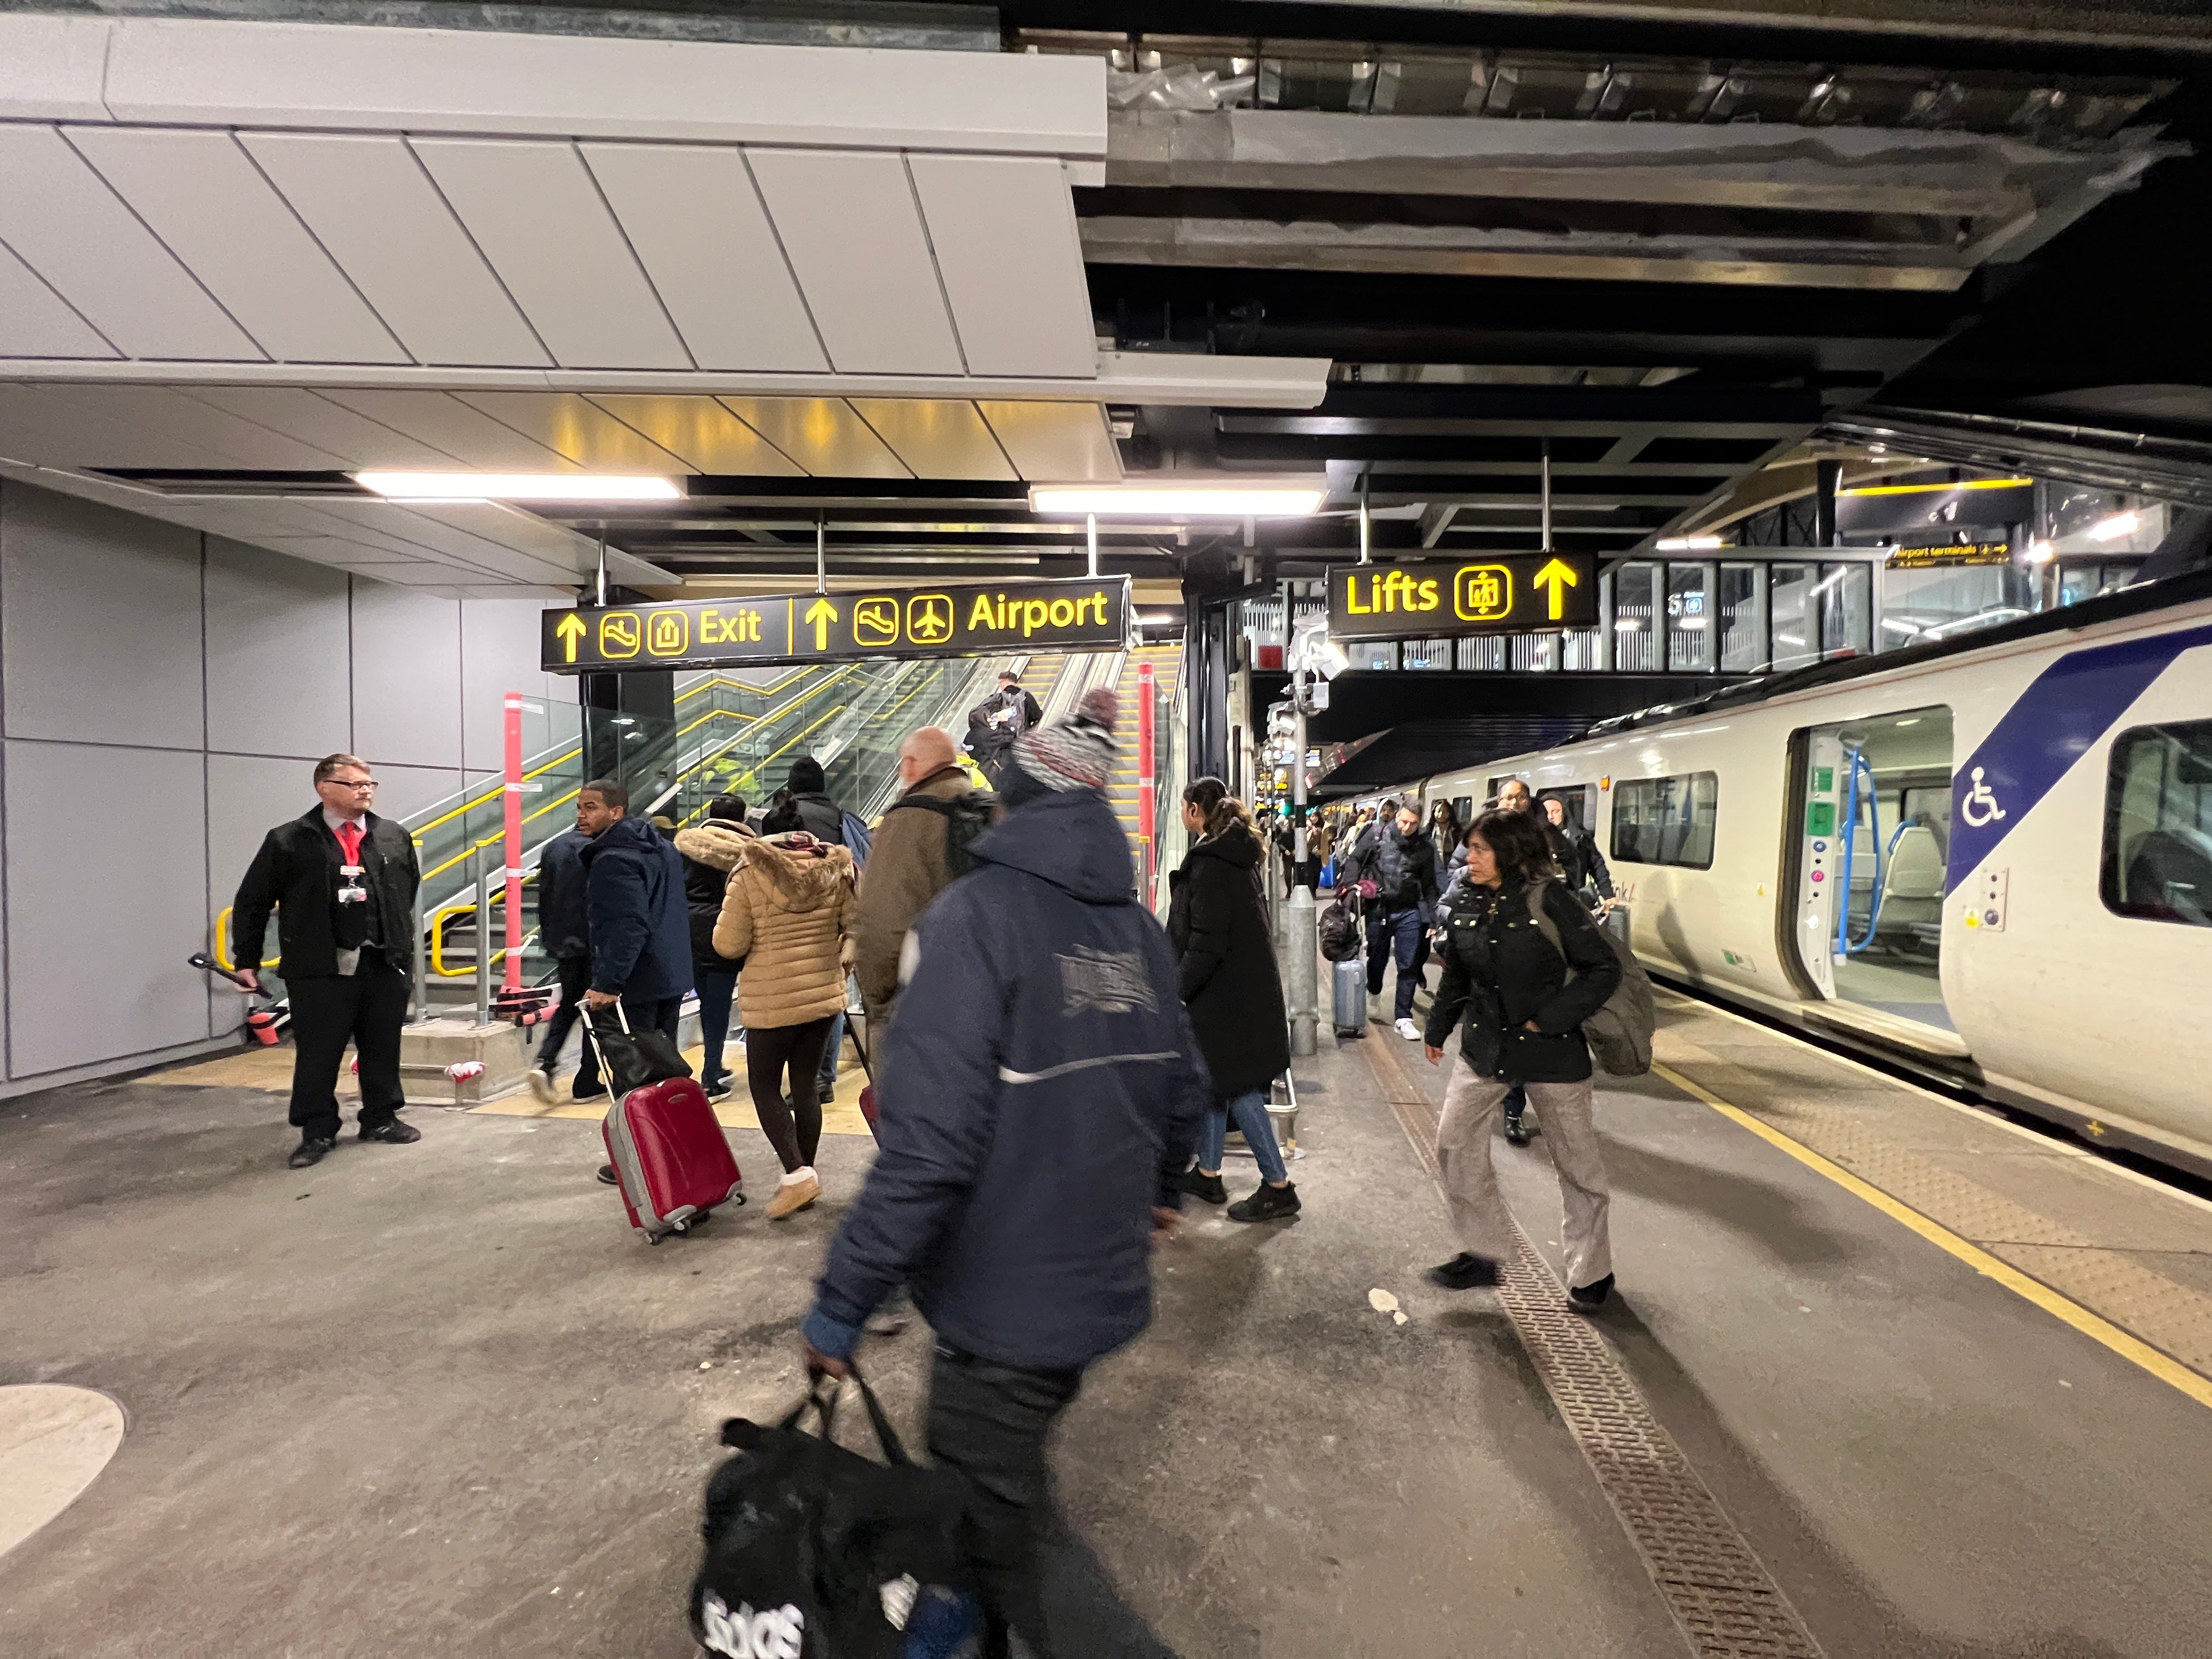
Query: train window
(1666, 820)
(1463, 808)
(2157, 824)
(1579, 801)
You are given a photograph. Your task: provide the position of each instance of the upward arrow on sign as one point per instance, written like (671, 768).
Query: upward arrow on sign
(1557, 578)
(821, 614)
(571, 628)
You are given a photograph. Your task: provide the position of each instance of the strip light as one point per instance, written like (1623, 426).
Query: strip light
(1220, 497)
(516, 487)
(1686, 543)
(2112, 529)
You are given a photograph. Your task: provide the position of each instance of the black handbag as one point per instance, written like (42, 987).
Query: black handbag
(814, 1551)
(632, 1059)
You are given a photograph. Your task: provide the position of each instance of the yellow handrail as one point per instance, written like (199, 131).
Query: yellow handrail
(437, 923)
(221, 946)
(492, 793)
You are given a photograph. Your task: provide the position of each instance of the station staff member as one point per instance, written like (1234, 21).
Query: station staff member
(342, 881)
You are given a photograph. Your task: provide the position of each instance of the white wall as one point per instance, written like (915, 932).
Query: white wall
(163, 697)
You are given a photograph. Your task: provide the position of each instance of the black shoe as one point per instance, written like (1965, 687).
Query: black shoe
(1207, 1187)
(607, 1174)
(1268, 1203)
(312, 1150)
(1463, 1272)
(396, 1133)
(717, 1088)
(1517, 1129)
(1590, 1296)
(597, 1091)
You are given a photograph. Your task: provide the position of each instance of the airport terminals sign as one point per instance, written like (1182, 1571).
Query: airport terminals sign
(1514, 594)
(858, 625)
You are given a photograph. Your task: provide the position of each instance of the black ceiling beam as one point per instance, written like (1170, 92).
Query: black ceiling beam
(1361, 703)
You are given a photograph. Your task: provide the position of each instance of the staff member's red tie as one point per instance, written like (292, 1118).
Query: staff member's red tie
(349, 838)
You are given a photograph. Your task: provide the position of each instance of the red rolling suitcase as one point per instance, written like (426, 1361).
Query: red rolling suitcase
(672, 1163)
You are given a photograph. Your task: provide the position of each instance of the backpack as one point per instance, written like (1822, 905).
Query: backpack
(966, 817)
(1339, 930)
(1619, 1032)
(858, 840)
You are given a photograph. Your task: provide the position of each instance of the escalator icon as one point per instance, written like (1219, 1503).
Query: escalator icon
(929, 619)
(875, 622)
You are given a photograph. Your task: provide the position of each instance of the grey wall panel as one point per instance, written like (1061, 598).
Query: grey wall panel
(248, 795)
(406, 665)
(100, 623)
(277, 647)
(402, 790)
(499, 654)
(98, 937)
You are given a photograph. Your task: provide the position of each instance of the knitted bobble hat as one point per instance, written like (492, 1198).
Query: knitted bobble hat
(1075, 753)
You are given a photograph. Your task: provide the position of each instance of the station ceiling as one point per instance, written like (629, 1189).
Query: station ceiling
(1422, 249)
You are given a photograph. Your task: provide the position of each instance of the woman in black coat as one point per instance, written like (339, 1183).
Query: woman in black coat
(1524, 966)
(1218, 923)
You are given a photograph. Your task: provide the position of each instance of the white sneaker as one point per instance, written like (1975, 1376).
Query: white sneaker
(541, 1084)
(1409, 1031)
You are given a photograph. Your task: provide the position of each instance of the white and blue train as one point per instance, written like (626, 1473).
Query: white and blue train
(1990, 858)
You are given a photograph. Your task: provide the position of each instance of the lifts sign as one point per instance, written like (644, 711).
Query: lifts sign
(854, 626)
(1512, 595)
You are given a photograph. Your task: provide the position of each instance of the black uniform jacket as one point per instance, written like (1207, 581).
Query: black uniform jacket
(1500, 972)
(296, 874)
(1225, 964)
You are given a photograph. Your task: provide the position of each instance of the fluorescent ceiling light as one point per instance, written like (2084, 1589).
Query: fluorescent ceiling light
(1217, 495)
(516, 487)
(1686, 543)
(2039, 551)
(2112, 529)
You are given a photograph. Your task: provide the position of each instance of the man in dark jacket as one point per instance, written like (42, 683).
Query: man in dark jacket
(714, 974)
(342, 882)
(565, 934)
(1039, 1085)
(634, 897)
(1397, 855)
(911, 861)
(995, 723)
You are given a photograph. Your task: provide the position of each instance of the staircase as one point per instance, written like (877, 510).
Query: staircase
(1121, 792)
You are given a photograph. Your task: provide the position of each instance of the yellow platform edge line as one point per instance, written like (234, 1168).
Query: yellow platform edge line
(2133, 1349)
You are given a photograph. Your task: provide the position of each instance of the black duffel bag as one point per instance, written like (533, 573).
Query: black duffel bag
(814, 1551)
(632, 1059)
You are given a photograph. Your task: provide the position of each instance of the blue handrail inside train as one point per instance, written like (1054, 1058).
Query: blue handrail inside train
(1859, 765)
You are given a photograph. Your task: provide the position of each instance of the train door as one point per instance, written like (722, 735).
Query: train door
(1874, 846)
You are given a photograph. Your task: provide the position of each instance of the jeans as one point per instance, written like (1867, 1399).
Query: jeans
(989, 1423)
(366, 1007)
(716, 991)
(575, 979)
(832, 1048)
(1398, 933)
(1250, 1111)
(795, 1131)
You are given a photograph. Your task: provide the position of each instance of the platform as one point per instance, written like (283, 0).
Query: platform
(1941, 1381)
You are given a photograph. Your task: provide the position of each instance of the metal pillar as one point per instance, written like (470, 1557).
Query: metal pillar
(482, 873)
(1301, 980)
(1826, 475)
(1147, 777)
(1366, 528)
(1091, 539)
(511, 843)
(422, 1009)
(821, 555)
(1544, 479)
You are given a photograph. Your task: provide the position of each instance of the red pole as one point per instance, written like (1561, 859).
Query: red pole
(514, 842)
(1145, 782)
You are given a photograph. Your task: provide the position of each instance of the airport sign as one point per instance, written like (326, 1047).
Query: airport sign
(1511, 593)
(851, 625)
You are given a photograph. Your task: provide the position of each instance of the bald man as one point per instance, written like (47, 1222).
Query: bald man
(917, 849)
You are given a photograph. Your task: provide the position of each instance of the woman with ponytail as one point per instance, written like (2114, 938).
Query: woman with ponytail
(1218, 923)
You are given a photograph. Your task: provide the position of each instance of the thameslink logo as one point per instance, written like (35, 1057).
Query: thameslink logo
(1103, 982)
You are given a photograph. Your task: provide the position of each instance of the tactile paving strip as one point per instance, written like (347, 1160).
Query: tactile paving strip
(1718, 1591)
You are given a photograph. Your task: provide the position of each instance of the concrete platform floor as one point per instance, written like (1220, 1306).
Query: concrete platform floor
(437, 1400)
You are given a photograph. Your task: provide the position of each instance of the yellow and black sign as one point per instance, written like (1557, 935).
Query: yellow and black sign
(1514, 594)
(1943, 554)
(866, 624)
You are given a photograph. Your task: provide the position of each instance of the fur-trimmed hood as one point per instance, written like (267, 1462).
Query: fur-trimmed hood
(719, 843)
(802, 874)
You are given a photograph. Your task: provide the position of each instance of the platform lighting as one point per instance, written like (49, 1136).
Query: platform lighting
(1215, 497)
(516, 487)
(2112, 529)
(1688, 544)
(2040, 551)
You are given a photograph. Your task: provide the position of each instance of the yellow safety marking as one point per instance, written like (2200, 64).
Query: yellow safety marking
(2132, 1349)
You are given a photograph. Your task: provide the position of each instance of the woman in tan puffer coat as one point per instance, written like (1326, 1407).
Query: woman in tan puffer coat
(788, 912)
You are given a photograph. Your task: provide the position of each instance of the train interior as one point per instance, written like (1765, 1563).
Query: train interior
(1893, 843)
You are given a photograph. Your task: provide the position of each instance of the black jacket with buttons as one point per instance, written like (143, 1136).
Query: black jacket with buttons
(1501, 972)
(296, 874)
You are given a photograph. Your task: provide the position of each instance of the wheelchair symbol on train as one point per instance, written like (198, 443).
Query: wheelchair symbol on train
(1980, 807)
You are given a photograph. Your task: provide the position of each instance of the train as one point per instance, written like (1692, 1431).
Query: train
(1988, 859)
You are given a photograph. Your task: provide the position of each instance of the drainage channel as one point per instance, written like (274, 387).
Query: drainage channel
(1717, 1588)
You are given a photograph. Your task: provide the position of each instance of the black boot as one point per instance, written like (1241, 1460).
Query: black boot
(1517, 1130)
(1267, 1204)
(1464, 1272)
(1207, 1189)
(312, 1150)
(1587, 1297)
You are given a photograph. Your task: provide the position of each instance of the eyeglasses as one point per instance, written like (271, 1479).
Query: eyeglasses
(352, 783)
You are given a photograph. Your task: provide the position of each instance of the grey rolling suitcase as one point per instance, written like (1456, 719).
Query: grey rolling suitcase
(1616, 923)
(1351, 981)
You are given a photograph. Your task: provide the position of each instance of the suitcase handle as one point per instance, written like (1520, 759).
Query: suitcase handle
(592, 1034)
